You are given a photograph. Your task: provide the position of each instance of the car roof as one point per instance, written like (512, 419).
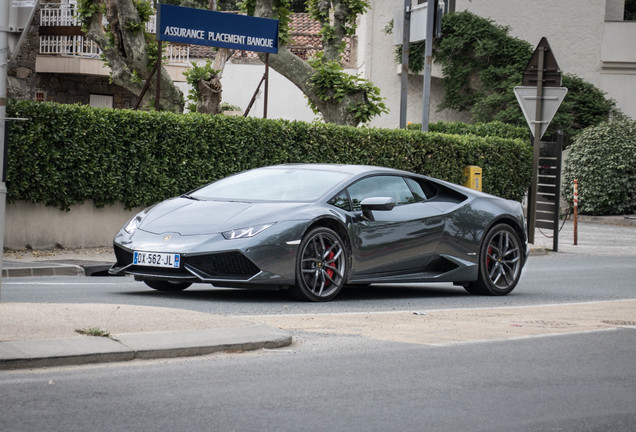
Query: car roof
(349, 169)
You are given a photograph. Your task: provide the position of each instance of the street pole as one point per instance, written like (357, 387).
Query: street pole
(406, 35)
(534, 186)
(431, 10)
(4, 67)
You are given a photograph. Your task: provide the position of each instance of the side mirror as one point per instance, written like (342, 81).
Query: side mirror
(376, 204)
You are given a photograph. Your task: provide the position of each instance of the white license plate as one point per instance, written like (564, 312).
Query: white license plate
(155, 259)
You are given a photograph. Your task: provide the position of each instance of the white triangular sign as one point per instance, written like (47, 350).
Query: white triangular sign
(552, 98)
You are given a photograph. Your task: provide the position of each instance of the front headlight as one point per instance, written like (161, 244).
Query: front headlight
(246, 232)
(133, 224)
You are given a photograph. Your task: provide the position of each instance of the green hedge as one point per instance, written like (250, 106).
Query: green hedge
(603, 160)
(67, 154)
(496, 128)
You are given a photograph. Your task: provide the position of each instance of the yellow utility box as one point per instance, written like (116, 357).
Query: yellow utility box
(473, 177)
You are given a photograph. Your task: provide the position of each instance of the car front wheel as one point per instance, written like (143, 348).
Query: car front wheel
(321, 266)
(500, 262)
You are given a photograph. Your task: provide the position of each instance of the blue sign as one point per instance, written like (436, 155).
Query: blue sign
(219, 29)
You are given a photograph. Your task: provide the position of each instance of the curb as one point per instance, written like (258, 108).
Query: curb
(57, 268)
(132, 346)
(45, 269)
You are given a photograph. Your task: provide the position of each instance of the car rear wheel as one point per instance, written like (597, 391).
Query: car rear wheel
(321, 266)
(167, 285)
(500, 262)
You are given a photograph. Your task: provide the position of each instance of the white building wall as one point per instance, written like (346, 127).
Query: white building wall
(575, 29)
(376, 54)
(285, 100)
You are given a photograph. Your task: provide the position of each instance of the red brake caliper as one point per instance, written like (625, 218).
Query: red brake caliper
(329, 271)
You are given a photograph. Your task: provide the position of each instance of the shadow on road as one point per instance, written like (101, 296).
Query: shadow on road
(275, 296)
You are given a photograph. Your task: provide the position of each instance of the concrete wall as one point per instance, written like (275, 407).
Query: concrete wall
(41, 227)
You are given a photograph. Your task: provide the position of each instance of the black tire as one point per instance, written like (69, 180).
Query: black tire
(160, 285)
(322, 266)
(500, 262)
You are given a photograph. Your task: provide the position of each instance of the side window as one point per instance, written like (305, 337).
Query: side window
(381, 186)
(341, 201)
(422, 190)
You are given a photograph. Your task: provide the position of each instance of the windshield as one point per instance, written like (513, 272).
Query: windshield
(273, 184)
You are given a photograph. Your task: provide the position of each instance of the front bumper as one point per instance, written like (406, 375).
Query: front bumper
(261, 260)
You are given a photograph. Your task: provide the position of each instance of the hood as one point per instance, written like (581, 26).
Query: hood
(191, 217)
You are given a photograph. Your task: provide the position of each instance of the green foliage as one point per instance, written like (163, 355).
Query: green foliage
(195, 75)
(332, 83)
(473, 46)
(145, 11)
(492, 129)
(323, 12)
(603, 160)
(282, 12)
(86, 9)
(67, 154)
(482, 64)
(229, 107)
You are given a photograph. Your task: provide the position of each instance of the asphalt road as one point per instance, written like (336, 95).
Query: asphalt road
(556, 278)
(583, 382)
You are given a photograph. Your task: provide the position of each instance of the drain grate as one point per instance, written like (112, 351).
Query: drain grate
(619, 322)
(551, 324)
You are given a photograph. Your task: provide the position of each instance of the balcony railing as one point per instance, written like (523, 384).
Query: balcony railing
(74, 43)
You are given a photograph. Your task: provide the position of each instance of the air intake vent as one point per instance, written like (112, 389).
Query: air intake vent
(227, 265)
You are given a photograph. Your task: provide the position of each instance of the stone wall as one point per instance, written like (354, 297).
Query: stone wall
(24, 83)
(69, 89)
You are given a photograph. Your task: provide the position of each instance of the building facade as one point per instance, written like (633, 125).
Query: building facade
(588, 37)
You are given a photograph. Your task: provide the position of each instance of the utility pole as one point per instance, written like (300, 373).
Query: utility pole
(406, 32)
(4, 68)
(428, 62)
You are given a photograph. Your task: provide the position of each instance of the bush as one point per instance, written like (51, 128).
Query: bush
(495, 128)
(603, 159)
(67, 154)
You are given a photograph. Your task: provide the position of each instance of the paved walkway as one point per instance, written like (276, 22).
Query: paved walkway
(38, 335)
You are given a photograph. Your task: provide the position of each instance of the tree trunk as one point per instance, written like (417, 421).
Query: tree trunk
(210, 102)
(211, 90)
(126, 53)
(299, 72)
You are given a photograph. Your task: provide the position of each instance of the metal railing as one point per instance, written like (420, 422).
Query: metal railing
(58, 14)
(64, 15)
(69, 45)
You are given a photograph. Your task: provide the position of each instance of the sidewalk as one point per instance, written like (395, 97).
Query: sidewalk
(597, 235)
(43, 335)
(34, 335)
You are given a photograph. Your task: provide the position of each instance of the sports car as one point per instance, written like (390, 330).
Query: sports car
(312, 229)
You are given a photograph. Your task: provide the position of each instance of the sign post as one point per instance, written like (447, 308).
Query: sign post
(404, 85)
(218, 29)
(541, 72)
(15, 16)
